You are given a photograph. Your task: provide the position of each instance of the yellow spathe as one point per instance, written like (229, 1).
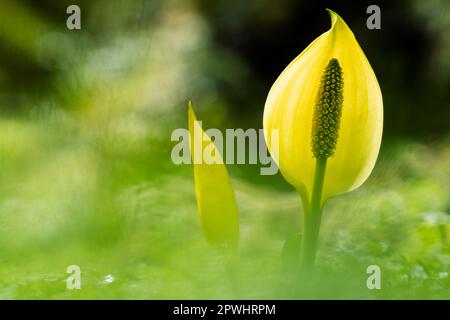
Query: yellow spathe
(290, 107)
(215, 197)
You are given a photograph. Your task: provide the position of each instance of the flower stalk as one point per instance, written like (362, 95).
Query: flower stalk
(312, 219)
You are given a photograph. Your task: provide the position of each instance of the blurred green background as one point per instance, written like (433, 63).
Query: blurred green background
(86, 176)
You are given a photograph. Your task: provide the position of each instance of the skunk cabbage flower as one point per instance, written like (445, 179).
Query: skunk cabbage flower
(215, 197)
(327, 103)
(328, 110)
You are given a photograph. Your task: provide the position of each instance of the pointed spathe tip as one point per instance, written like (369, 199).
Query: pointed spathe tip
(190, 110)
(330, 11)
(336, 20)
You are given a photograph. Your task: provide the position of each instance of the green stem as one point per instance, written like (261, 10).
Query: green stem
(312, 219)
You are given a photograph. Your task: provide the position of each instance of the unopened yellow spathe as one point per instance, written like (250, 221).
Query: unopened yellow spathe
(215, 197)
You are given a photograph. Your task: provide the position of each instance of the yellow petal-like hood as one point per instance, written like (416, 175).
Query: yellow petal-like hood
(290, 107)
(215, 197)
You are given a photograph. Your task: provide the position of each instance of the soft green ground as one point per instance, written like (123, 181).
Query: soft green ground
(112, 202)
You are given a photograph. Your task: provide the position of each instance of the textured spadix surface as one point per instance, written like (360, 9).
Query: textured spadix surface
(290, 109)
